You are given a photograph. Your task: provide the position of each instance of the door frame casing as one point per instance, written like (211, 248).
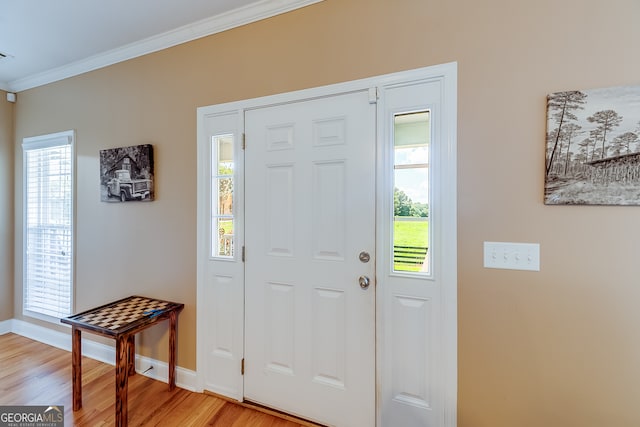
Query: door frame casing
(232, 350)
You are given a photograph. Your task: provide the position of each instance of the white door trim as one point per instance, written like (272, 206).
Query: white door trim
(231, 384)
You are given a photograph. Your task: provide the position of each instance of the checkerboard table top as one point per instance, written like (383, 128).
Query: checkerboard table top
(120, 316)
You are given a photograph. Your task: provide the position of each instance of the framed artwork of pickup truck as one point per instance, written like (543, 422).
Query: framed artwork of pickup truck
(126, 174)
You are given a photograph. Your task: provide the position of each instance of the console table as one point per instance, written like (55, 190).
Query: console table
(121, 320)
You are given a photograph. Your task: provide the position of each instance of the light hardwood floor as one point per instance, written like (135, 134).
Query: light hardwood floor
(32, 373)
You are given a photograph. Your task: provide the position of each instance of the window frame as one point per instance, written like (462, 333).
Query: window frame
(214, 214)
(35, 143)
(428, 274)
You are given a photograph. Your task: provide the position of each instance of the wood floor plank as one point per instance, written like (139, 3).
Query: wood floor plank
(33, 373)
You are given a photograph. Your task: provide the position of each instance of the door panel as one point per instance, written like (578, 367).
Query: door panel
(415, 351)
(220, 325)
(310, 211)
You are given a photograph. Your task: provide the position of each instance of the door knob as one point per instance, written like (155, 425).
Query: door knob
(363, 281)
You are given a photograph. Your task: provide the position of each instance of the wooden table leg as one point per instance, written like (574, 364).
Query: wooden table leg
(132, 354)
(173, 320)
(76, 367)
(122, 379)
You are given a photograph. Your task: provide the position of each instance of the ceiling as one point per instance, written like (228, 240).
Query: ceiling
(42, 41)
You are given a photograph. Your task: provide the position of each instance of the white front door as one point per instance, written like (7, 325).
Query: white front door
(315, 161)
(309, 215)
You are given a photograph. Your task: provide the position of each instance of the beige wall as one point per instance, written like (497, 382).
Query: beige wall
(559, 347)
(6, 207)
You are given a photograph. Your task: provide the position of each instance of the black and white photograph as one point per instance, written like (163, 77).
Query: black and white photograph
(126, 174)
(593, 147)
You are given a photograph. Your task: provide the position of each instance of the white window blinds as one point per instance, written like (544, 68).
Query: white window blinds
(48, 224)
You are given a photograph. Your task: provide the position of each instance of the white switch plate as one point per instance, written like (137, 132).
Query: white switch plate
(512, 256)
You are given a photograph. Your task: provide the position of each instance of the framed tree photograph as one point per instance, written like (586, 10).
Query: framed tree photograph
(126, 174)
(593, 147)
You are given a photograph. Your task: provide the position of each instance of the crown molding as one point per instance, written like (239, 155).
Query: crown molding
(206, 27)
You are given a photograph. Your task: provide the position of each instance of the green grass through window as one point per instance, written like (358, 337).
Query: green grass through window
(413, 234)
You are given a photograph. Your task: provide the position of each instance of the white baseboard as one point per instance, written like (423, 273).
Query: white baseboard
(185, 378)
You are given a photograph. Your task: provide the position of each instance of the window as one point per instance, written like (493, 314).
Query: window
(48, 224)
(411, 192)
(222, 167)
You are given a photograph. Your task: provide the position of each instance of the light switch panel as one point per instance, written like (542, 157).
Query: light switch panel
(512, 256)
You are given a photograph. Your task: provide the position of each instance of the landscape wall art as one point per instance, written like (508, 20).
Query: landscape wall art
(593, 147)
